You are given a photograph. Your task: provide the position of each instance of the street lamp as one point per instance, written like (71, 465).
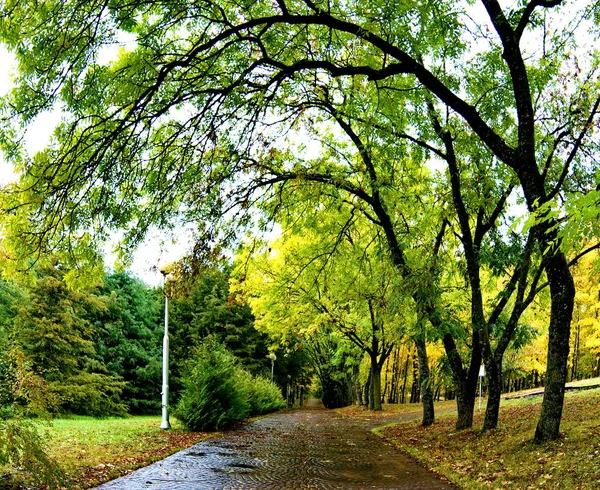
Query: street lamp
(165, 270)
(273, 358)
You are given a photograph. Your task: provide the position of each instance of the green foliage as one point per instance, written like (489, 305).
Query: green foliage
(23, 456)
(511, 92)
(128, 339)
(92, 394)
(203, 305)
(217, 392)
(11, 296)
(212, 398)
(263, 395)
(336, 361)
(55, 330)
(22, 450)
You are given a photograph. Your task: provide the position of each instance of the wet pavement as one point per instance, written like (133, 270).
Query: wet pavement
(311, 448)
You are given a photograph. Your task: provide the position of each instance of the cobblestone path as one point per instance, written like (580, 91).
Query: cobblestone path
(300, 449)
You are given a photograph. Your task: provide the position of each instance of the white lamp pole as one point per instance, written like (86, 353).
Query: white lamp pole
(481, 375)
(165, 424)
(273, 358)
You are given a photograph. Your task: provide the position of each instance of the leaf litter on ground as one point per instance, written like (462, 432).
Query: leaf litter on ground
(507, 457)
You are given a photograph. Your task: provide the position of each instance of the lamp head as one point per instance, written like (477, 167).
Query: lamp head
(165, 268)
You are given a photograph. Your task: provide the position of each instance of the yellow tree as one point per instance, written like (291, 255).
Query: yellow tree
(307, 282)
(585, 342)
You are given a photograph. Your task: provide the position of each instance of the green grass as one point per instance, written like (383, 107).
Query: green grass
(585, 382)
(100, 431)
(507, 457)
(91, 451)
(390, 410)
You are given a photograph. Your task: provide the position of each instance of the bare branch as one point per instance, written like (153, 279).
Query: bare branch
(529, 9)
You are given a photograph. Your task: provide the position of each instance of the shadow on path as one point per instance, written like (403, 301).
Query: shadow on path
(298, 449)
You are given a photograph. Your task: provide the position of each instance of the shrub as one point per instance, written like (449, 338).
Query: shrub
(263, 395)
(212, 398)
(23, 459)
(217, 392)
(94, 394)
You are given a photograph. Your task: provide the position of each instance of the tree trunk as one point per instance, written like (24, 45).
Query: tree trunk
(393, 398)
(369, 390)
(415, 393)
(465, 381)
(403, 398)
(385, 381)
(576, 353)
(425, 375)
(359, 397)
(375, 384)
(465, 405)
(562, 295)
(494, 375)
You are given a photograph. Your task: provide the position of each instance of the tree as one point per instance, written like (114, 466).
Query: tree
(363, 184)
(309, 282)
(25, 399)
(585, 353)
(55, 332)
(128, 337)
(202, 305)
(223, 74)
(335, 362)
(487, 252)
(11, 297)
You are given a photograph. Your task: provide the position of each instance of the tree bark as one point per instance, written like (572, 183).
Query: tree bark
(562, 295)
(376, 384)
(425, 375)
(465, 381)
(359, 397)
(494, 375)
(403, 397)
(369, 390)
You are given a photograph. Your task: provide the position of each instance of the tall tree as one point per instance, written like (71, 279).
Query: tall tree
(128, 337)
(308, 281)
(55, 331)
(202, 305)
(335, 362)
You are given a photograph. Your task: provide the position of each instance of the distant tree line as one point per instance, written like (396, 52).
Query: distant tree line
(99, 349)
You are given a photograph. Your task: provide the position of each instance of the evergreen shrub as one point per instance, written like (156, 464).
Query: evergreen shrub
(217, 392)
(264, 395)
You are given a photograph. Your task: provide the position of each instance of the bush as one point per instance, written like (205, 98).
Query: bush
(26, 403)
(211, 397)
(94, 394)
(217, 392)
(263, 395)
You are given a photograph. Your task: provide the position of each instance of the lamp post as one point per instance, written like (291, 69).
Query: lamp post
(481, 375)
(165, 270)
(273, 358)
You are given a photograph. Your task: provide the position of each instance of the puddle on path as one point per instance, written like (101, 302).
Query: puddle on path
(300, 449)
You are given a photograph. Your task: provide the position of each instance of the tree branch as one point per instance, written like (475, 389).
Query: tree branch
(526, 17)
(575, 149)
(520, 80)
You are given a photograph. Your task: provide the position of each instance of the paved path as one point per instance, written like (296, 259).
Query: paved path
(300, 449)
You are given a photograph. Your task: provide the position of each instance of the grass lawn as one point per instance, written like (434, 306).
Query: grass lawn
(92, 451)
(506, 457)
